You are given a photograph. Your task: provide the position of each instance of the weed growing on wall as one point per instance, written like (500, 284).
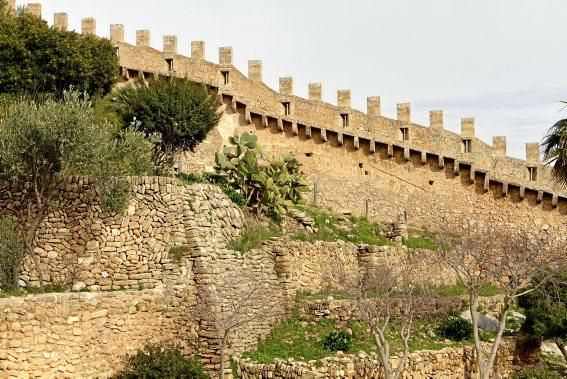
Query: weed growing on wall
(177, 252)
(253, 236)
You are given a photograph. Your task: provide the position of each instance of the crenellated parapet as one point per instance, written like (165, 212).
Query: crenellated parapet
(61, 21)
(339, 125)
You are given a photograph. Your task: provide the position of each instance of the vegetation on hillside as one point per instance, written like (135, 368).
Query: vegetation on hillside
(43, 144)
(546, 310)
(37, 59)
(254, 234)
(302, 340)
(270, 185)
(156, 361)
(11, 253)
(331, 227)
(180, 112)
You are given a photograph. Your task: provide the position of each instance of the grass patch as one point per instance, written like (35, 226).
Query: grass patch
(458, 289)
(331, 228)
(50, 288)
(322, 294)
(253, 236)
(177, 252)
(304, 341)
(420, 242)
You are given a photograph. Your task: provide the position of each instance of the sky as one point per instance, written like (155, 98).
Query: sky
(503, 62)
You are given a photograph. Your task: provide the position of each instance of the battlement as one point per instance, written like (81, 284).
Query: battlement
(350, 128)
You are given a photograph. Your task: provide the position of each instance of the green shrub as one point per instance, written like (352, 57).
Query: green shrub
(270, 185)
(161, 361)
(36, 58)
(177, 252)
(455, 329)
(115, 194)
(11, 254)
(337, 340)
(234, 196)
(546, 308)
(180, 112)
(191, 178)
(537, 373)
(253, 236)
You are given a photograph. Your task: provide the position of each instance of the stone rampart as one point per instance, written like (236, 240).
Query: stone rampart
(432, 193)
(354, 128)
(350, 128)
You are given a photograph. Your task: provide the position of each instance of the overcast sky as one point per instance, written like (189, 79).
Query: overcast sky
(503, 62)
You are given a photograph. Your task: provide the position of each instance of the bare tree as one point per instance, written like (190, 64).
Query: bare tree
(387, 295)
(237, 296)
(508, 259)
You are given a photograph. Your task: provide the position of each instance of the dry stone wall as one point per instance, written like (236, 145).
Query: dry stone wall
(88, 334)
(79, 243)
(445, 363)
(48, 333)
(312, 267)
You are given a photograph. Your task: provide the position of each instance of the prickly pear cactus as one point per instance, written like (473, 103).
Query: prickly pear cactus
(270, 185)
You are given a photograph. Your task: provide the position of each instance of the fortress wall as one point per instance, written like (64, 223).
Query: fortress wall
(257, 97)
(432, 196)
(88, 334)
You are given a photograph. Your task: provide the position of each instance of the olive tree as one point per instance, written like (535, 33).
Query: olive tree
(43, 144)
(180, 112)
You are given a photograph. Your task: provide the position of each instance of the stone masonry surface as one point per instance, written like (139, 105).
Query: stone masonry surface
(86, 334)
(437, 177)
(445, 363)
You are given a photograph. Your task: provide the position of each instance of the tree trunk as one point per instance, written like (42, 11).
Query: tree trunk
(384, 357)
(473, 305)
(562, 347)
(28, 237)
(497, 339)
(222, 355)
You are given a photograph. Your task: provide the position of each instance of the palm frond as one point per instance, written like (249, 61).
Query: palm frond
(555, 150)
